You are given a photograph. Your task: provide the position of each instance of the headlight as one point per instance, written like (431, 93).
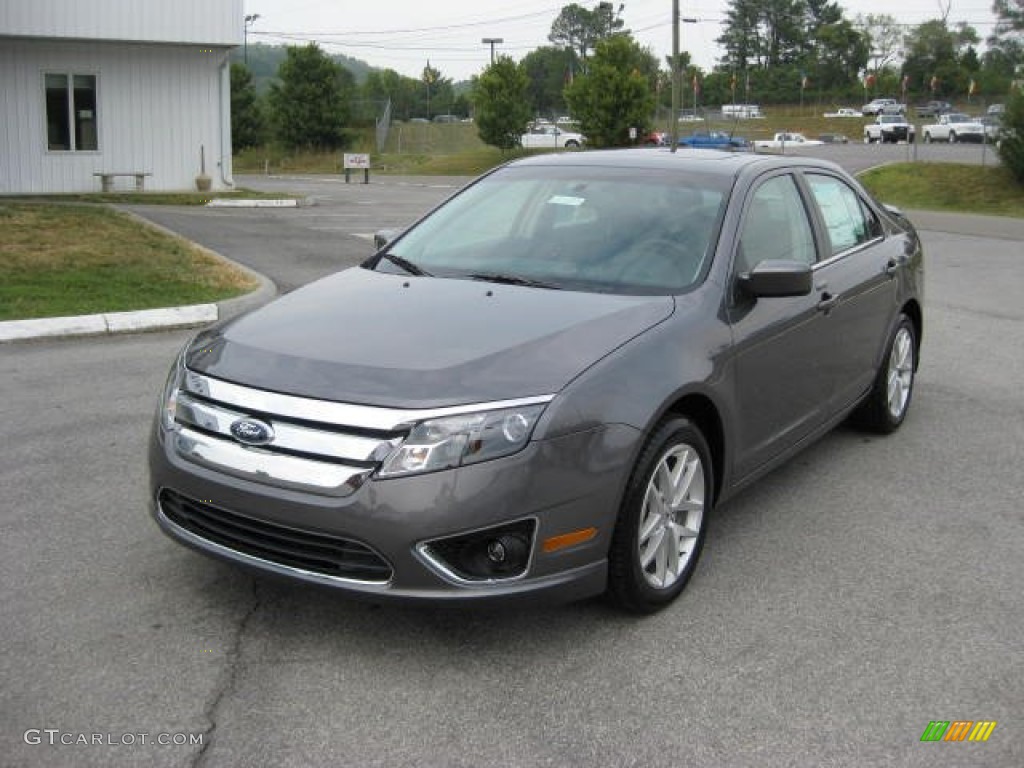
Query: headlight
(169, 399)
(454, 441)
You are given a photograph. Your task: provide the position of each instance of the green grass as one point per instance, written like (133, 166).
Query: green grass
(58, 260)
(147, 198)
(947, 187)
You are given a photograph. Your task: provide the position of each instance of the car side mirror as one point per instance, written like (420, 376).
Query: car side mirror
(778, 277)
(382, 237)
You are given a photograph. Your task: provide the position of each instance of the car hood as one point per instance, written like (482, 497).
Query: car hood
(367, 337)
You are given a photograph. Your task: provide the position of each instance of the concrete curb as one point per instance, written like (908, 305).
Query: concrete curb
(166, 318)
(108, 322)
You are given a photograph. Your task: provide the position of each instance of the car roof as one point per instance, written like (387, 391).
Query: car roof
(706, 161)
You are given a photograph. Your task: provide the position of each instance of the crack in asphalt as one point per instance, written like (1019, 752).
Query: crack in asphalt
(227, 680)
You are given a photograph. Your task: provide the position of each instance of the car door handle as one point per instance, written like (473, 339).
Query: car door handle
(891, 267)
(828, 302)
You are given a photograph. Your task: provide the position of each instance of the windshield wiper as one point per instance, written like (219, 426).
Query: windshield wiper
(405, 264)
(506, 279)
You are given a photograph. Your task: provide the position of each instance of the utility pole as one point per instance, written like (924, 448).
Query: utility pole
(249, 21)
(676, 75)
(492, 41)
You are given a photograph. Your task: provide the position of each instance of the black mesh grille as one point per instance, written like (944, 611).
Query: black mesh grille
(315, 552)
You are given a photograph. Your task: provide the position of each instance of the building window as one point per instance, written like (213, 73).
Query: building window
(71, 113)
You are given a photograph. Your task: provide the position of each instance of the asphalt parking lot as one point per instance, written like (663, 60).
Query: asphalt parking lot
(842, 603)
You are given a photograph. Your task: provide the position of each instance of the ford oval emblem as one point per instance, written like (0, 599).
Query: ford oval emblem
(252, 431)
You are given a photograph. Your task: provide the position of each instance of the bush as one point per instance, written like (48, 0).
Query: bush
(1011, 146)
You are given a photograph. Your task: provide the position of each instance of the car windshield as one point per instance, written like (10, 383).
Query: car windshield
(613, 230)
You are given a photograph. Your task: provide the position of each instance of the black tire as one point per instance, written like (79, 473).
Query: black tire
(952, 137)
(878, 412)
(572, 144)
(927, 138)
(631, 583)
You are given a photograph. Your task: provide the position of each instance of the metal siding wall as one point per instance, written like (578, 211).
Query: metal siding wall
(157, 105)
(216, 22)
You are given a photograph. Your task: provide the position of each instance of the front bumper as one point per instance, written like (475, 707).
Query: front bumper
(559, 486)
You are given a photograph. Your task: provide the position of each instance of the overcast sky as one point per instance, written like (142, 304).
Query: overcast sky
(404, 34)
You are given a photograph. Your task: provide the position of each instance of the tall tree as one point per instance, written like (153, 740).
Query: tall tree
(310, 102)
(1006, 43)
(763, 33)
(1011, 146)
(579, 30)
(246, 117)
(884, 37)
(548, 69)
(615, 94)
(934, 56)
(502, 109)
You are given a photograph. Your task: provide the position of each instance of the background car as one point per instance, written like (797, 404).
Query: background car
(844, 112)
(889, 129)
(933, 108)
(581, 356)
(877, 106)
(714, 140)
(547, 136)
(954, 127)
(993, 127)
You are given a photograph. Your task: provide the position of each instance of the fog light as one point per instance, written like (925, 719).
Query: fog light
(496, 553)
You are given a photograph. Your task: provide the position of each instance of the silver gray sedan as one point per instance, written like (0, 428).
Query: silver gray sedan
(543, 387)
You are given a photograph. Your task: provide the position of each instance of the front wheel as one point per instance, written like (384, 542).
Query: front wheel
(572, 144)
(663, 519)
(927, 138)
(889, 400)
(952, 137)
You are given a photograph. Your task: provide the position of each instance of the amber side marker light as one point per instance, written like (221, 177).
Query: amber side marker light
(564, 540)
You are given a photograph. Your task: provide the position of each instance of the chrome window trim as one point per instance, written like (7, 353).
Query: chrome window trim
(336, 445)
(843, 254)
(332, 412)
(288, 570)
(268, 468)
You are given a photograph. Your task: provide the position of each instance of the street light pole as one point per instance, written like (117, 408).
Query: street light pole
(492, 41)
(249, 21)
(676, 75)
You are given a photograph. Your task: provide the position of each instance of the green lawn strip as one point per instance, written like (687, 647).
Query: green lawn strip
(150, 198)
(59, 260)
(947, 187)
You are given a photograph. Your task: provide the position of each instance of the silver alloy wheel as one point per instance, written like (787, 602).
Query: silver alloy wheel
(671, 516)
(901, 373)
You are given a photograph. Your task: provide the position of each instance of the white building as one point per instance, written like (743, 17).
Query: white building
(93, 87)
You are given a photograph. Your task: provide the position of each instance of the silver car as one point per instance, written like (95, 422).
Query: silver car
(543, 388)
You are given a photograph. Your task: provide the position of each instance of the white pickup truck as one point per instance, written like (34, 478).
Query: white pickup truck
(787, 139)
(889, 129)
(955, 127)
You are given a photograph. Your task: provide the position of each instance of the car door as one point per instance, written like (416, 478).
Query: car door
(857, 276)
(780, 345)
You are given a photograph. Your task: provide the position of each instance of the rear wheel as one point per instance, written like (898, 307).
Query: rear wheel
(927, 138)
(889, 400)
(662, 523)
(572, 144)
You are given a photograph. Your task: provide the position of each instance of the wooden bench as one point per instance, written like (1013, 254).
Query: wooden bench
(107, 179)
